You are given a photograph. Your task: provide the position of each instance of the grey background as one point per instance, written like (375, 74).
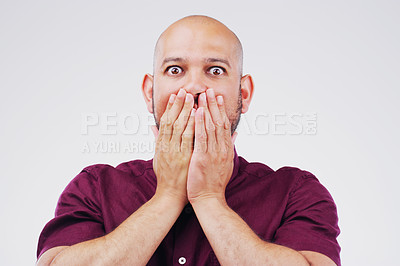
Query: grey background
(60, 60)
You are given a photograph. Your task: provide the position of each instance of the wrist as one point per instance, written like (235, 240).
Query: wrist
(171, 197)
(209, 199)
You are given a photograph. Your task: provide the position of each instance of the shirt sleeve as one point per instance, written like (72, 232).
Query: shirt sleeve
(77, 218)
(310, 221)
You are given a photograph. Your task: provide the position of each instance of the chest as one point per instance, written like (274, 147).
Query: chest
(258, 204)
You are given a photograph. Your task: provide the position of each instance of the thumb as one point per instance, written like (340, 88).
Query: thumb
(233, 138)
(155, 130)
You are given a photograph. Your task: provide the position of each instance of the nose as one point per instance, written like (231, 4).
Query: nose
(195, 83)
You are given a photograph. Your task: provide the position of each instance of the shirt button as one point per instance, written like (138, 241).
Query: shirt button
(182, 260)
(188, 209)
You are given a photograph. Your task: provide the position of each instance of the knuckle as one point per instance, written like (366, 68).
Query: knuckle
(202, 137)
(187, 136)
(177, 126)
(211, 128)
(227, 124)
(219, 123)
(166, 120)
(169, 122)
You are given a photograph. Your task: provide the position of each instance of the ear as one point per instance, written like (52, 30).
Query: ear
(147, 90)
(247, 92)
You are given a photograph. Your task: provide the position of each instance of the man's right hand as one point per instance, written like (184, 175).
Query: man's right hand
(144, 230)
(174, 146)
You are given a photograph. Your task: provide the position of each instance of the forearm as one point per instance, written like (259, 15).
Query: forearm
(233, 241)
(131, 243)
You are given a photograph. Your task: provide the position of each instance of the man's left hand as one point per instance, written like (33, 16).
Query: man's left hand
(211, 164)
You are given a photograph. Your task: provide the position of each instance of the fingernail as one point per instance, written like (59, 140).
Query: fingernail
(220, 100)
(210, 93)
(203, 95)
(172, 98)
(181, 93)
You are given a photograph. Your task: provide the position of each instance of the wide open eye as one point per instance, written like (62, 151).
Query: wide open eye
(174, 70)
(216, 71)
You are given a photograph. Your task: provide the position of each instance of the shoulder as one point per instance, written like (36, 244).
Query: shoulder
(95, 177)
(297, 176)
(295, 173)
(288, 175)
(134, 167)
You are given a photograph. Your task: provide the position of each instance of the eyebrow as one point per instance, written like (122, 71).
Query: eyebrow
(207, 60)
(220, 60)
(172, 59)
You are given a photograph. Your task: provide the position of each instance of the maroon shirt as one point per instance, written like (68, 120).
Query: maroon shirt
(287, 207)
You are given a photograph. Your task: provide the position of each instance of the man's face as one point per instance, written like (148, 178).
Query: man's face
(196, 59)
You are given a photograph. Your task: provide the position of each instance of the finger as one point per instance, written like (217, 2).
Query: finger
(208, 123)
(225, 119)
(226, 135)
(182, 120)
(171, 115)
(202, 100)
(213, 107)
(162, 125)
(171, 101)
(215, 115)
(188, 134)
(200, 135)
(210, 130)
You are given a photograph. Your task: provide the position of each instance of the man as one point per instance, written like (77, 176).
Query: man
(196, 202)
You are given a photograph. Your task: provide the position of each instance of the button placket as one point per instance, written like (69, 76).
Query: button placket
(182, 249)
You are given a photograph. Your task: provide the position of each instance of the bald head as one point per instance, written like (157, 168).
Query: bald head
(196, 54)
(194, 28)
